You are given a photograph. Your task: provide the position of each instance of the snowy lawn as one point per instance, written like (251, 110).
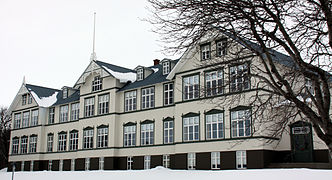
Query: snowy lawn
(160, 173)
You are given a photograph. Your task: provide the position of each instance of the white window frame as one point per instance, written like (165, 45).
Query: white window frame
(166, 67)
(241, 159)
(221, 47)
(15, 145)
(33, 144)
(26, 119)
(147, 134)
(130, 101)
(89, 106)
(50, 164)
(129, 136)
(166, 160)
(191, 87)
(64, 93)
(87, 164)
(206, 51)
(88, 139)
(17, 120)
(72, 164)
(168, 132)
(24, 99)
(34, 117)
(22, 166)
(102, 137)
(309, 86)
(73, 140)
(51, 115)
(62, 142)
(64, 113)
(148, 98)
(191, 123)
(147, 162)
(29, 99)
(31, 165)
(214, 124)
(140, 74)
(168, 94)
(61, 165)
(191, 157)
(239, 78)
(103, 104)
(50, 139)
(241, 123)
(97, 84)
(75, 109)
(24, 145)
(215, 160)
(130, 161)
(101, 163)
(214, 83)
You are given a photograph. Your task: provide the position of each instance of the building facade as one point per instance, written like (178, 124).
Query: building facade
(169, 114)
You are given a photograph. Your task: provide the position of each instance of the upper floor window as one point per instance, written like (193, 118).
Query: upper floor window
(17, 120)
(63, 113)
(168, 94)
(140, 74)
(205, 51)
(130, 101)
(15, 145)
(147, 134)
(102, 137)
(64, 93)
(191, 128)
(62, 141)
(29, 99)
(241, 123)
(88, 138)
(24, 99)
(214, 83)
(168, 132)
(73, 140)
(148, 98)
(96, 84)
(75, 109)
(89, 106)
(33, 144)
(24, 145)
(221, 46)
(34, 118)
(50, 138)
(214, 126)
(129, 135)
(239, 78)
(191, 87)
(166, 67)
(103, 104)
(26, 118)
(51, 115)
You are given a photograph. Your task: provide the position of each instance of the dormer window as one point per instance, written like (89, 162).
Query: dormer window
(96, 84)
(221, 47)
(205, 51)
(166, 67)
(139, 74)
(65, 93)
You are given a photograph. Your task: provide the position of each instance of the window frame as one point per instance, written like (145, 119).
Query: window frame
(243, 77)
(218, 113)
(166, 161)
(194, 125)
(140, 74)
(89, 106)
(215, 160)
(145, 103)
(147, 162)
(63, 113)
(132, 95)
(34, 117)
(245, 126)
(74, 111)
(73, 140)
(133, 133)
(51, 115)
(33, 144)
(103, 103)
(191, 161)
(219, 88)
(130, 162)
(222, 50)
(147, 133)
(166, 67)
(24, 99)
(241, 159)
(24, 145)
(88, 135)
(168, 129)
(97, 84)
(195, 87)
(29, 97)
(25, 119)
(49, 142)
(17, 121)
(168, 94)
(205, 54)
(102, 139)
(62, 141)
(15, 145)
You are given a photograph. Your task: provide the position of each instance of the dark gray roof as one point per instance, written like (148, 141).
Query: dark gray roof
(114, 67)
(72, 98)
(41, 91)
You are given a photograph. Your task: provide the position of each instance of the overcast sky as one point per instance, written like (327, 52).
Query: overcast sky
(50, 41)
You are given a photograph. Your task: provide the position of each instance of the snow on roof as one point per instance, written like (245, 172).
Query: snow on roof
(44, 101)
(123, 77)
(155, 69)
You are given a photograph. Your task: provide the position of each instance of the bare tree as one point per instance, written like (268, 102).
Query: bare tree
(301, 29)
(5, 121)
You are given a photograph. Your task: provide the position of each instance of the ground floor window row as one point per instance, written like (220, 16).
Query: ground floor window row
(190, 161)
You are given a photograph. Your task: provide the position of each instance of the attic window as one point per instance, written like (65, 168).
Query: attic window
(96, 84)
(166, 67)
(139, 74)
(24, 99)
(221, 47)
(65, 93)
(205, 51)
(29, 99)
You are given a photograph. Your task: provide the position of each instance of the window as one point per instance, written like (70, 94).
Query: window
(72, 165)
(33, 144)
(29, 99)
(241, 159)
(239, 78)
(147, 160)
(166, 160)
(130, 162)
(50, 138)
(214, 126)
(168, 132)
(24, 145)
(241, 125)
(130, 101)
(191, 160)
(215, 160)
(221, 47)
(191, 87)
(140, 75)
(103, 104)
(64, 113)
(309, 86)
(191, 128)
(96, 84)
(73, 140)
(22, 166)
(205, 51)
(168, 94)
(148, 98)
(301, 130)
(34, 118)
(102, 137)
(51, 115)
(24, 99)
(61, 165)
(129, 135)
(25, 121)
(65, 93)
(166, 67)
(88, 138)
(101, 163)
(75, 109)
(87, 164)
(50, 163)
(31, 165)
(147, 134)
(214, 83)
(62, 145)
(17, 120)
(15, 145)
(89, 106)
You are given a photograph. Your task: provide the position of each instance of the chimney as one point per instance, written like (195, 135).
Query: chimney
(156, 62)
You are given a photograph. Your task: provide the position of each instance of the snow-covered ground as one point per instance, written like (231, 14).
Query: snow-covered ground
(160, 173)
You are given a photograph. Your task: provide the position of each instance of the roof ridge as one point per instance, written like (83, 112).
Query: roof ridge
(43, 87)
(114, 65)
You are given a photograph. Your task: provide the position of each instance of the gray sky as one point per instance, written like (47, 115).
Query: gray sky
(50, 41)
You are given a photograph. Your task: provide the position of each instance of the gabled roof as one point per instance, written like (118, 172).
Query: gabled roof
(44, 97)
(114, 67)
(72, 98)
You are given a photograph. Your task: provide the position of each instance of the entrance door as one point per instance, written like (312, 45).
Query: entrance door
(301, 141)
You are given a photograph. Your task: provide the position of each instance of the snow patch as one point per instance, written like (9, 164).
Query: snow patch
(123, 77)
(44, 101)
(155, 69)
